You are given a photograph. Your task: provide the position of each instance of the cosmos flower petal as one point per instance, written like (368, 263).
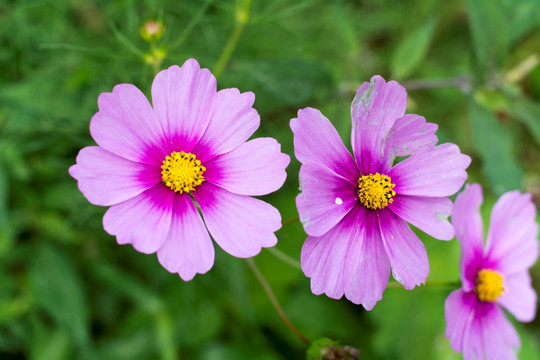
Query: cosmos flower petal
(439, 171)
(184, 100)
(458, 313)
(188, 249)
(316, 140)
(127, 126)
(241, 225)
(256, 167)
(490, 335)
(107, 179)
(512, 239)
(325, 198)
(375, 108)
(469, 232)
(323, 257)
(409, 134)
(142, 221)
(234, 120)
(366, 266)
(519, 297)
(407, 254)
(429, 214)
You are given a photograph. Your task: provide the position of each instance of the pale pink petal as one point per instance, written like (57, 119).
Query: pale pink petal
(409, 134)
(241, 225)
(488, 334)
(188, 249)
(520, 297)
(107, 179)
(127, 126)
(458, 313)
(429, 214)
(256, 167)
(234, 120)
(325, 198)
(184, 101)
(407, 254)
(142, 221)
(374, 110)
(512, 239)
(469, 230)
(323, 257)
(439, 171)
(316, 140)
(367, 268)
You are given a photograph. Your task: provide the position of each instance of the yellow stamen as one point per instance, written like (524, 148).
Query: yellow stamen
(182, 172)
(375, 191)
(489, 285)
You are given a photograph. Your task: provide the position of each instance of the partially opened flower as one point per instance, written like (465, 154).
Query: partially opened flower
(154, 163)
(494, 275)
(355, 211)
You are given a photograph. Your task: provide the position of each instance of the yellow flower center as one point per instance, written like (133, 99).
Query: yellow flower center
(489, 285)
(182, 172)
(375, 191)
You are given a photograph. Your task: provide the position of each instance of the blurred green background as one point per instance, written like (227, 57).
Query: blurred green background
(68, 291)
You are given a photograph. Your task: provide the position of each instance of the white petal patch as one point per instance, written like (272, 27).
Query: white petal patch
(339, 201)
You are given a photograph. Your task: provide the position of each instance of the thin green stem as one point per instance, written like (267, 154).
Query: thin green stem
(432, 283)
(275, 303)
(194, 21)
(285, 258)
(242, 17)
(291, 221)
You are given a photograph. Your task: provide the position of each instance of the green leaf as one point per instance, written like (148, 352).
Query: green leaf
(528, 113)
(494, 144)
(489, 30)
(318, 347)
(412, 50)
(56, 283)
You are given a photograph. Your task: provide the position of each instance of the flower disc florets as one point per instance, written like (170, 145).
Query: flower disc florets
(182, 172)
(490, 285)
(375, 191)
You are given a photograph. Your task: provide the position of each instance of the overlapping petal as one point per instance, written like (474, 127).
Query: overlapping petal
(367, 268)
(407, 254)
(107, 179)
(519, 297)
(256, 167)
(127, 126)
(241, 225)
(142, 221)
(233, 121)
(429, 214)
(512, 239)
(408, 135)
(188, 249)
(374, 110)
(435, 172)
(325, 198)
(184, 100)
(458, 313)
(316, 140)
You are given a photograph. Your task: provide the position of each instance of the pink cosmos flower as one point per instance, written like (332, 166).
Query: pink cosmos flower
(494, 277)
(355, 211)
(154, 164)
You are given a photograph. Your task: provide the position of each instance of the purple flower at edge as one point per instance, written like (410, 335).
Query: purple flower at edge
(494, 276)
(154, 163)
(355, 211)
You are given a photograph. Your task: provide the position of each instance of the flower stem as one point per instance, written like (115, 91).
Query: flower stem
(241, 18)
(285, 258)
(461, 82)
(290, 221)
(268, 290)
(432, 283)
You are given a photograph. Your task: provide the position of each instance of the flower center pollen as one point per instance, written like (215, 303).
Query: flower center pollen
(489, 285)
(375, 191)
(182, 172)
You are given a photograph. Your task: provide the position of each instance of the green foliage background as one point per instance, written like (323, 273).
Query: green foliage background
(68, 291)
